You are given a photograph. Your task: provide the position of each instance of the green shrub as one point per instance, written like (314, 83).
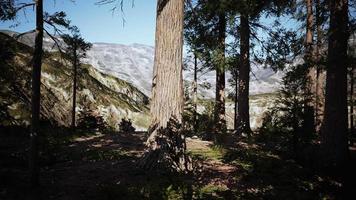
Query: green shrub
(91, 121)
(125, 126)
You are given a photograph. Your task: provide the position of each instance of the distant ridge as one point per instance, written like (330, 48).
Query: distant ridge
(134, 64)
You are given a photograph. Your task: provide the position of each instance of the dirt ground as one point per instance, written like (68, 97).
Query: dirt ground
(104, 167)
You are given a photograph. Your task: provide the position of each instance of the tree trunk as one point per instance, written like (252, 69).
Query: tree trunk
(309, 118)
(334, 130)
(352, 126)
(235, 101)
(75, 63)
(320, 72)
(220, 121)
(244, 77)
(195, 93)
(36, 96)
(167, 90)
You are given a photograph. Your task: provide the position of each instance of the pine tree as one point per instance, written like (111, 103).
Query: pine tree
(334, 130)
(320, 19)
(220, 118)
(205, 28)
(249, 10)
(8, 11)
(309, 59)
(195, 93)
(36, 94)
(243, 119)
(76, 48)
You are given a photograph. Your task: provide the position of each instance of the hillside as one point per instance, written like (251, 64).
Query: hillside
(134, 64)
(107, 95)
(117, 80)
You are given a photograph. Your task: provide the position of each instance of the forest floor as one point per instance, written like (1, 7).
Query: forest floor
(103, 166)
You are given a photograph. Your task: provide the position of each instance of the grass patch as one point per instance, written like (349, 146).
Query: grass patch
(215, 152)
(211, 191)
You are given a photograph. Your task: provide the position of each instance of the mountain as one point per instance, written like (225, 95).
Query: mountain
(117, 82)
(104, 94)
(134, 64)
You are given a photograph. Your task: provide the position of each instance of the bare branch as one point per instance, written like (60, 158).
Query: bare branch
(24, 33)
(56, 43)
(24, 5)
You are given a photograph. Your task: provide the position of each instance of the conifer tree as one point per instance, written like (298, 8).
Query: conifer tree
(8, 11)
(167, 89)
(334, 130)
(249, 12)
(76, 48)
(206, 30)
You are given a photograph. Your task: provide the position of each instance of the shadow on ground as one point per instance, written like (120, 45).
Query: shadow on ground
(103, 166)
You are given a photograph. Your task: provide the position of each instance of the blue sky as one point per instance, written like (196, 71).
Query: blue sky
(98, 23)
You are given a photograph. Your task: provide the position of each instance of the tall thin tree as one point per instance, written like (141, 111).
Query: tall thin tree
(320, 69)
(220, 118)
(8, 11)
(76, 48)
(36, 94)
(244, 76)
(195, 93)
(309, 59)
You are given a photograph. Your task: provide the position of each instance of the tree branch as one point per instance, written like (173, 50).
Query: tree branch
(24, 5)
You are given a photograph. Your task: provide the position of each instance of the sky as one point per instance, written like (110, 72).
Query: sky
(98, 23)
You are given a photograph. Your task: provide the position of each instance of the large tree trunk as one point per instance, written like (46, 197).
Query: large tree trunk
(309, 118)
(36, 96)
(320, 72)
(220, 121)
(244, 77)
(75, 63)
(334, 130)
(167, 90)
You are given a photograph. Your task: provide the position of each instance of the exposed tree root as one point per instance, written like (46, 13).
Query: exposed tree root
(167, 150)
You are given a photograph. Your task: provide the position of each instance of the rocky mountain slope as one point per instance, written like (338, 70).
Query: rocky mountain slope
(107, 95)
(120, 69)
(134, 64)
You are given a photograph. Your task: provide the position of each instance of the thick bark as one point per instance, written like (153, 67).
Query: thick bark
(167, 90)
(309, 118)
(334, 130)
(36, 95)
(220, 121)
(166, 144)
(244, 77)
(75, 63)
